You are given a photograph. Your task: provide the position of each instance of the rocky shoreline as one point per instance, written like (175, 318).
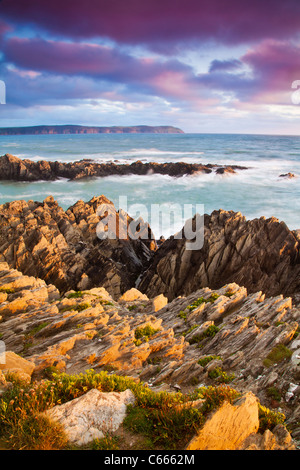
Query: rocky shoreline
(174, 319)
(15, 169)
(62, 247)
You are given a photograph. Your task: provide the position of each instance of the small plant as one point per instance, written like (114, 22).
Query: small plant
(211, 331)
(214, 397)
(107, 442)
(132, 307)
(268, 419)
(189, 331)
(76, 308)
(106, 302)
(75, 295)
(201, 300)
(297, 332)
(143, 334)
(164, 424)
(154, 360)
(278, 354)
(110, 368)
(214, 296)
(229, 294)
(38, 328)
(205, 360)
(221, 375)
(194, 380)
(7, 290)
(182, 314)
(274, 393)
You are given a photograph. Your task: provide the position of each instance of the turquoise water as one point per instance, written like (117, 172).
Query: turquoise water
(255, 192)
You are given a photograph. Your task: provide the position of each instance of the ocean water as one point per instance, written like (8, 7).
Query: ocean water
(255, 192)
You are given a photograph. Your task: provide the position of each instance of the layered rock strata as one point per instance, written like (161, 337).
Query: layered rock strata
(260, 254)
(206, 338)
(64, 249)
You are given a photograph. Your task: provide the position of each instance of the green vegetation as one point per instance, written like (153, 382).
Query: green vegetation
(154, 360)
(38, 328)
(205, 360)
(107, 442)
(77, 308)
(221, 375)
(143, 334)
(201, 300)
(229, 294)
(278, 354)
(132, 307)
(76, 295)
(164, 423)
(7, 290)
(29, 337)
(214, 396)
(106, 302)
(210, 332)
(214, 296)
(274, 393)
(268, 419)
(191, 329)
(165, 420)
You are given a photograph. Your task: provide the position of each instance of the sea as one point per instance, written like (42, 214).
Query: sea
(256, 192)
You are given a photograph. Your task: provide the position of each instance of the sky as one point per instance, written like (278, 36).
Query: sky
(214, 66)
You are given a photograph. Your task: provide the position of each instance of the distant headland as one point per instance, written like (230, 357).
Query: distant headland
(75, 129)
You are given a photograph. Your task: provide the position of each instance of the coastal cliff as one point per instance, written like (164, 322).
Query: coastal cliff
(208, 338)
(74, 129)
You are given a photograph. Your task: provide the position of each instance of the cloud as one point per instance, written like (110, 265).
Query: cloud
(102, 55)
(168, 78)
(157, 22)
(225, 65)
(274, 63)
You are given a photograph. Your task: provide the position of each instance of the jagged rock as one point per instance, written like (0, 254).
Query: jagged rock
(13, 168)
(159, 302)
(63, 248)
(278, 439)
(132, 294)
(288, 175)
(17, 366)
(190, 341)
(229, 426)
(92, 415)
(259, 254)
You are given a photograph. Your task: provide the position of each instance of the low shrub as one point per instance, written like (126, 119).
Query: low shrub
(143, 334)
(268, 419)
(278, 354)
(207, 359)
(210, 332)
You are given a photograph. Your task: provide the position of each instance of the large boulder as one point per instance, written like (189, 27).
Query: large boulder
(92, 415)
(229, 426)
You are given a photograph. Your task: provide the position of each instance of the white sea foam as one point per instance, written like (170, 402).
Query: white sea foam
(258, 191)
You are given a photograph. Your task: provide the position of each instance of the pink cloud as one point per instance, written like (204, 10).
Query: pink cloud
(276, 64)
(147, 75)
